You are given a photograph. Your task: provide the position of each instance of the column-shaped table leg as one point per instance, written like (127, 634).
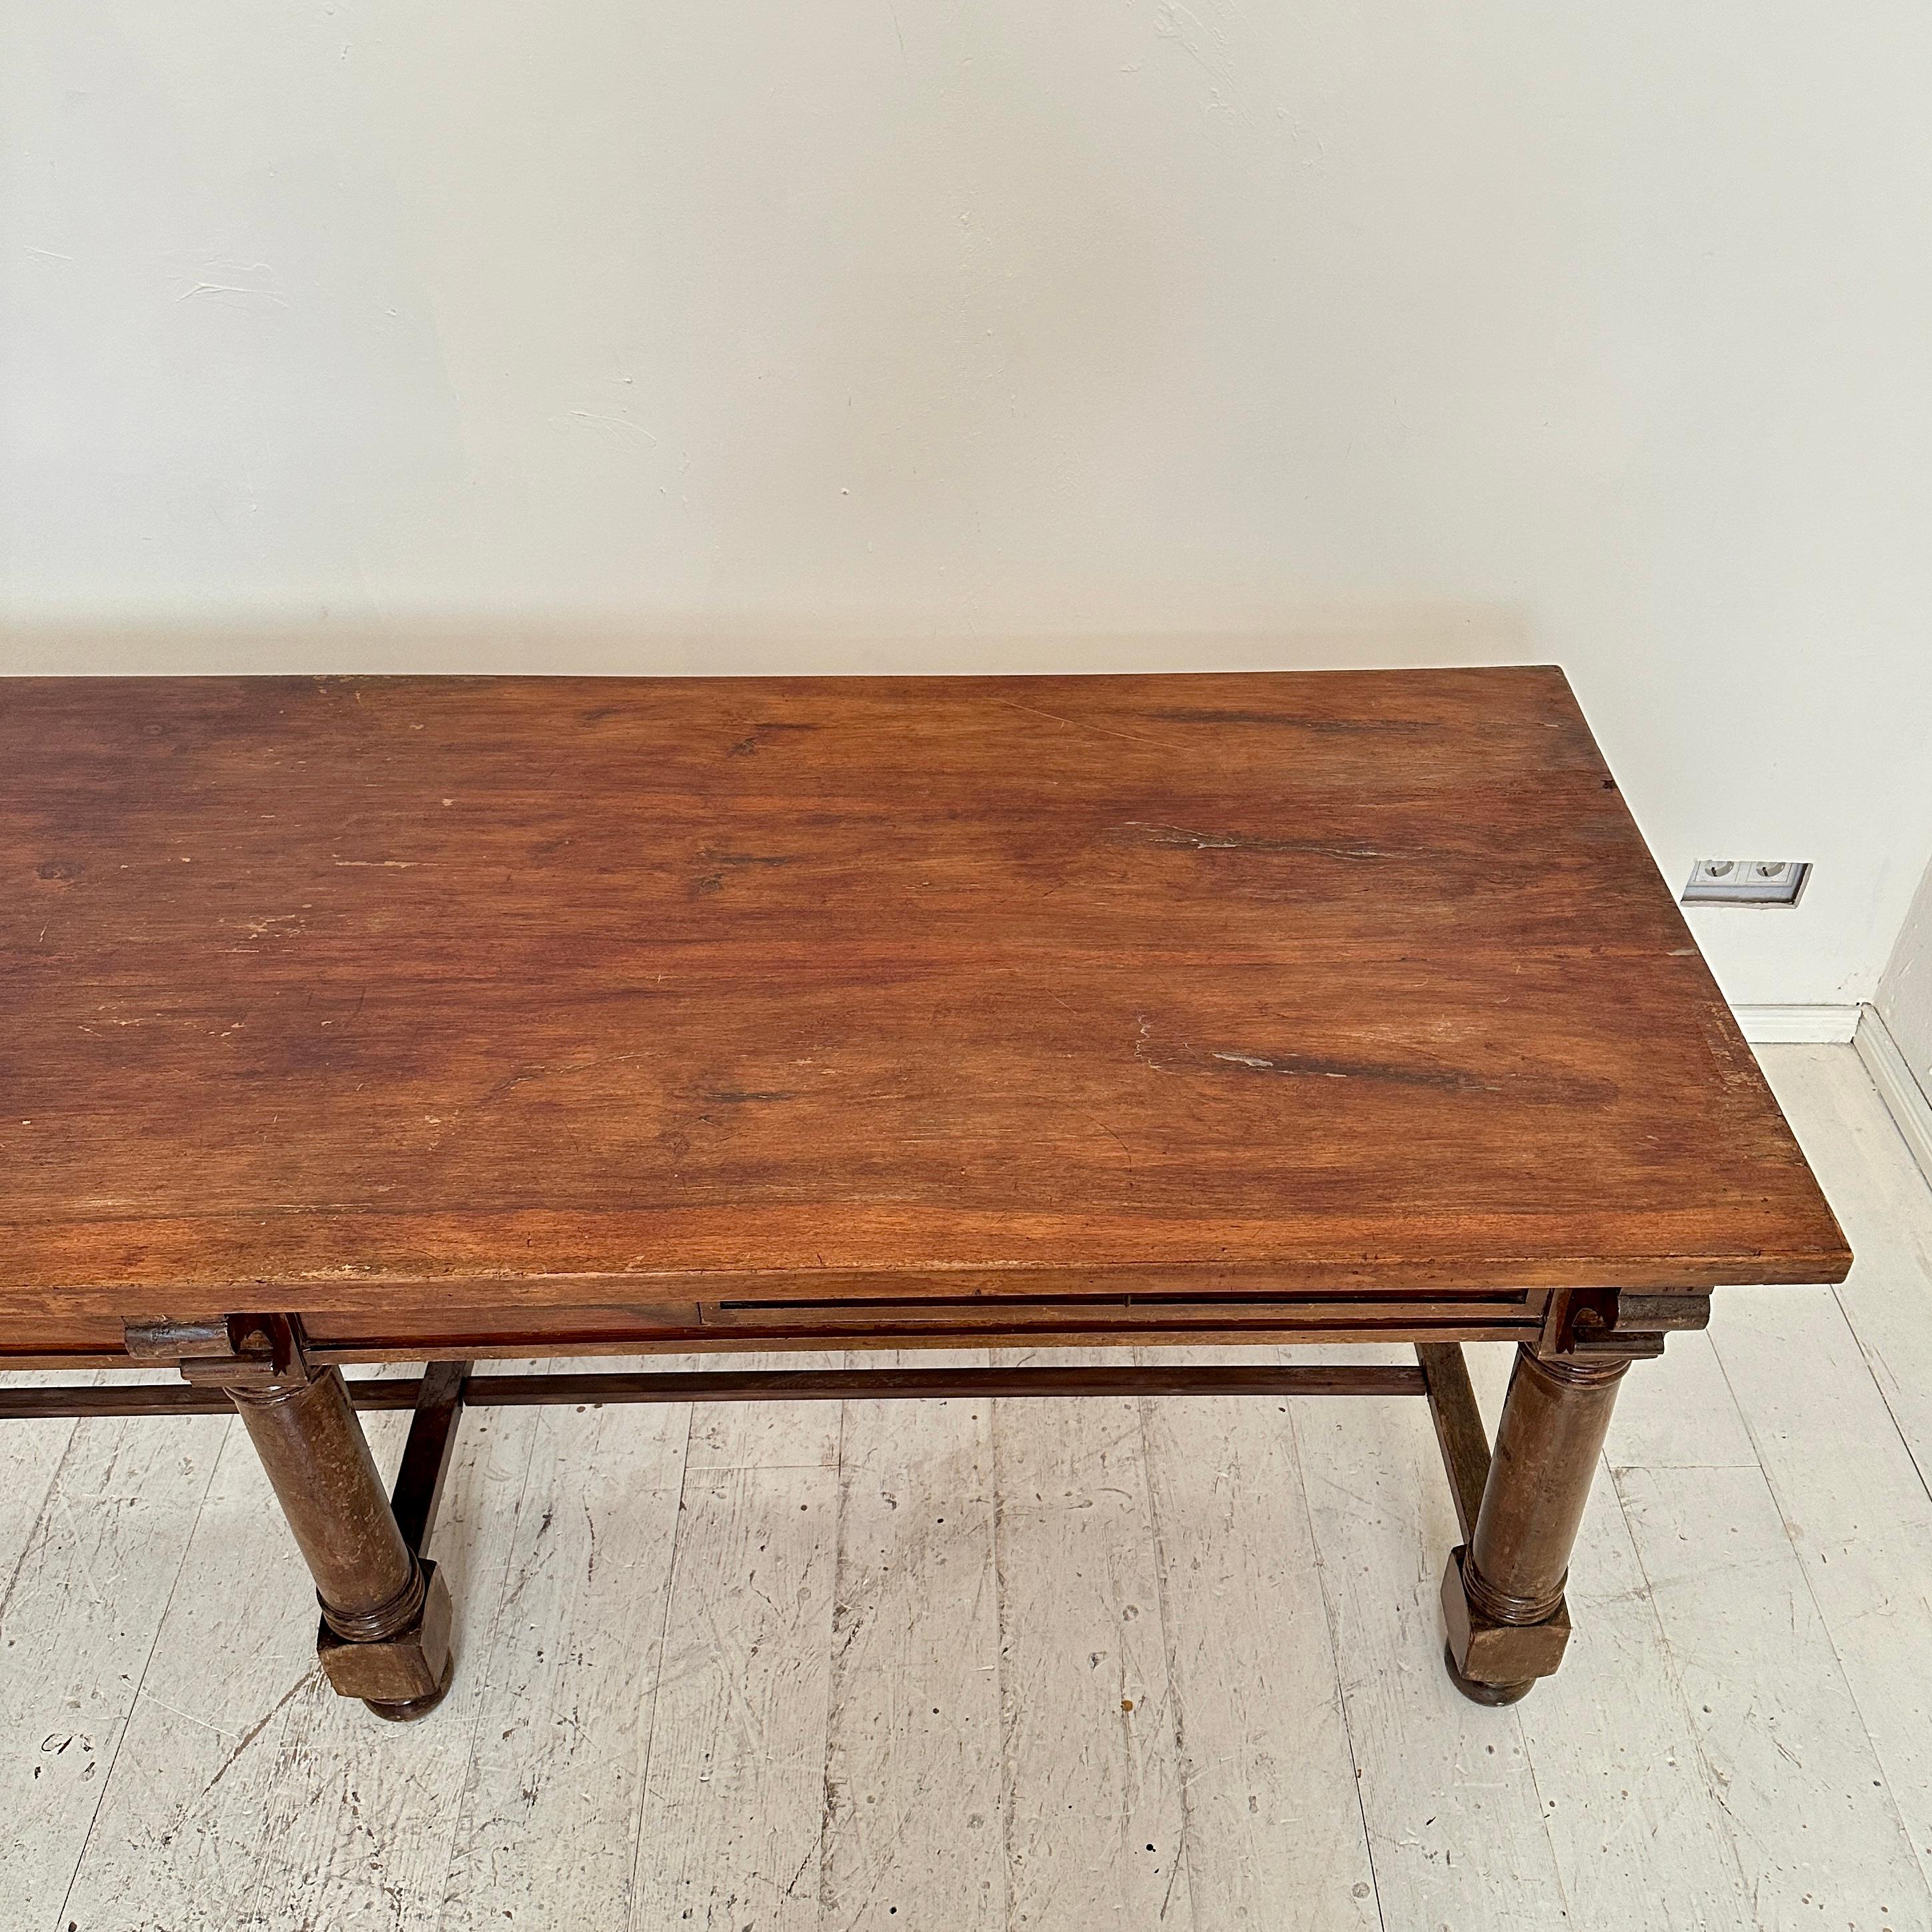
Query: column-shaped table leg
(385, 1629)
(1502, 1596)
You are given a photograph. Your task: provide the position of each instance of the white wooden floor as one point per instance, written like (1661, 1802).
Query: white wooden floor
(1062, 1665)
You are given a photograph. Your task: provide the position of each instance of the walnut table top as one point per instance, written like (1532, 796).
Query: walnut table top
(588, 1008)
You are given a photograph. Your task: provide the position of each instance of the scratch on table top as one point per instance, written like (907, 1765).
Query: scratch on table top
(1077, 725)
(1179, 838)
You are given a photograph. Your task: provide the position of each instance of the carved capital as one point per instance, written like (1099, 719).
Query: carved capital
(1497, 1660)
(404, 1674)
(1615, 1323)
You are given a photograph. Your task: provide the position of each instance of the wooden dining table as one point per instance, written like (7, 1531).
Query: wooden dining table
(439, 1021)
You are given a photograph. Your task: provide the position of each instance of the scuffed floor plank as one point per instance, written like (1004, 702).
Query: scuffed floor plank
(729, 1819)
(767, 1435)
(1674, 1413)
(1886, 1205)
(1639, 1838)
(545, 1827)
(1817, 1834)
(91, 1581)
(1456, 1827)
(179, 1835)
(1095, 1826)
(30, 1457)
(1861, 1524)
(1275, 1833)
(913, 1824)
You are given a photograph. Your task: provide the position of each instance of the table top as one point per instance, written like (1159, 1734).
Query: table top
(1295, 980)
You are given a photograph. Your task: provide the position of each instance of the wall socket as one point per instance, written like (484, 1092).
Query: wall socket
(1759, 882)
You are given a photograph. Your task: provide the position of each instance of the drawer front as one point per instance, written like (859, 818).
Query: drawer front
(1008, 1314)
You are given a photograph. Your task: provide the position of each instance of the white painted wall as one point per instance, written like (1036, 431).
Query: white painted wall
(1905, 993)
(960, 333)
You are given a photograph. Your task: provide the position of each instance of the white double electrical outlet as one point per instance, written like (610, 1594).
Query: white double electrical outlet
(1761, 882)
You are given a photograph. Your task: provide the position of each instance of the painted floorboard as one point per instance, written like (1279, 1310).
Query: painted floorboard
(730, 1815)
(1455, 1825)
(1640, 1837)
(1817, 1834)
(1275, 1835)
(913, 1817)
(544, 1832)
(1674, 1413)
(91, 1586)
(1093, 1732)
(1881, 1196)
(31, 1454)
(1862, 1525)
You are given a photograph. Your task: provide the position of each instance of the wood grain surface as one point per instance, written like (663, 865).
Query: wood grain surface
(396, 994)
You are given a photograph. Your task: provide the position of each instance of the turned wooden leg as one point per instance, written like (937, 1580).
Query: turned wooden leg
(1502, 1595)
(385, 1629)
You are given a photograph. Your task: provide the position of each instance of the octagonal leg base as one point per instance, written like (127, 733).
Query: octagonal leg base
(402, 1676)
(1494, 1663)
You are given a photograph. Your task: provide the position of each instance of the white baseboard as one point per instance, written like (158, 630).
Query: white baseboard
(1891, 1074)
(1798, 1026)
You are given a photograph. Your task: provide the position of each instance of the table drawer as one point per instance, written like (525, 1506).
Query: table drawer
(1009, 1314)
